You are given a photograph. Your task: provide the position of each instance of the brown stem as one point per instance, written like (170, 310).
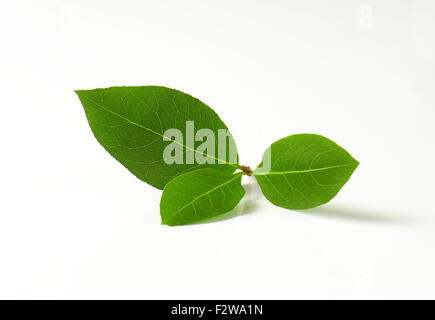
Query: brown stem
(246, 170)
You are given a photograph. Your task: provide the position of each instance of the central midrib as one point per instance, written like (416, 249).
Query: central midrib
(301, 171)
(157, 133)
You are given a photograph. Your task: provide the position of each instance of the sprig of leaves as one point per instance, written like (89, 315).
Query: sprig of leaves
(300, 171)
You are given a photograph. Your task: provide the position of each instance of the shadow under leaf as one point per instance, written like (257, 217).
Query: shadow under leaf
(366, 215)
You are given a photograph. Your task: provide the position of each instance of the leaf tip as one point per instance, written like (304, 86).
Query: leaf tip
(356, 163)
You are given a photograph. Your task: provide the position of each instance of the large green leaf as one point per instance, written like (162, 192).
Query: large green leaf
(199, 195)
(130, 122)
(306, 170)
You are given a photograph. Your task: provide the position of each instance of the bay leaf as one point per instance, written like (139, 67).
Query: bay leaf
(130, 123)
(305, 171)
(199, 195)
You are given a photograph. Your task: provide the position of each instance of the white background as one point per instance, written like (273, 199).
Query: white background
(74, 223)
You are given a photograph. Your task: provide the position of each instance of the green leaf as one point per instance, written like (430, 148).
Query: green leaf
(306, 170)
(199, 195)
(130, 123)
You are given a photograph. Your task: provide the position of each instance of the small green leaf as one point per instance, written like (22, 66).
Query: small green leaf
(306, 170)
(130, 123)
(199, 195)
